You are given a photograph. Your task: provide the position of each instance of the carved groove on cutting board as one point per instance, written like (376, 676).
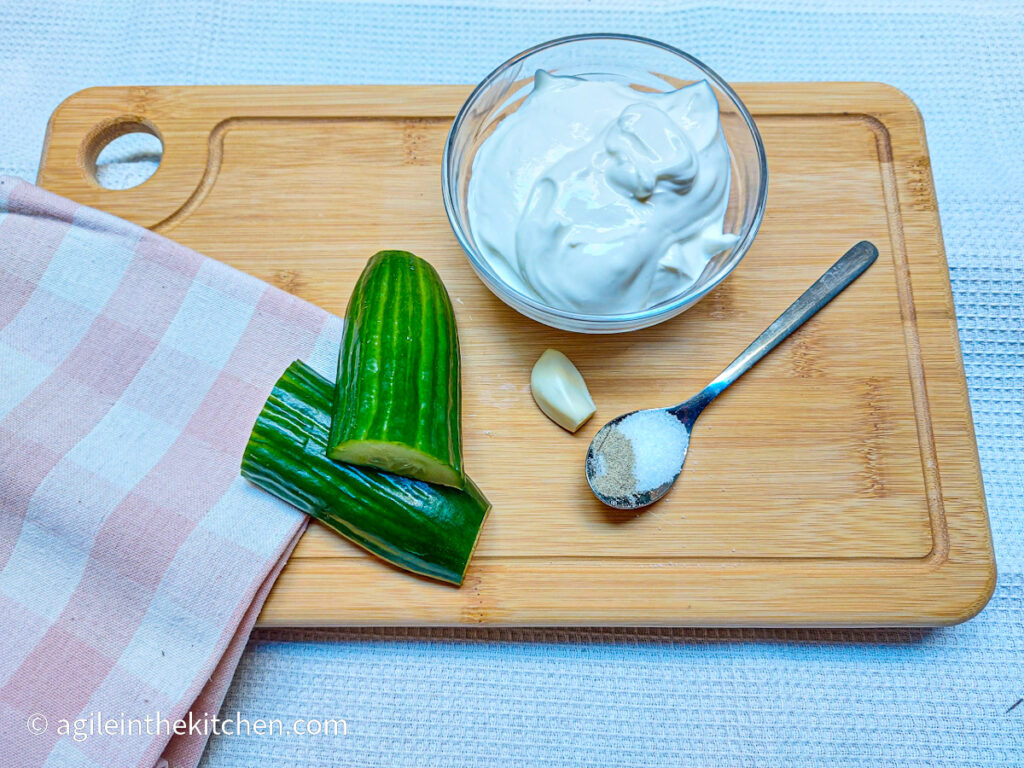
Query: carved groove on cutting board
(216, 154)
(937, 521)
(922, 412)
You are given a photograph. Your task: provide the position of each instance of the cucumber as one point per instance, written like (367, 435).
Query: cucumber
(427, 529)
(398, 402)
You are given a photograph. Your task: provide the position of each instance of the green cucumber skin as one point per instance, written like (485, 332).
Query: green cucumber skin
(427, 529)
(399, 370)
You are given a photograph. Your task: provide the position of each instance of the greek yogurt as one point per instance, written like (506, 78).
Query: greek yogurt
(597, 198)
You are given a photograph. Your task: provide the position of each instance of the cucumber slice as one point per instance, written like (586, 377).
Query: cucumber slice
(398, 401)
(427, 529)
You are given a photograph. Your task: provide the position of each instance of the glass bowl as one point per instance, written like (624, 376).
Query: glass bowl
(643, 64)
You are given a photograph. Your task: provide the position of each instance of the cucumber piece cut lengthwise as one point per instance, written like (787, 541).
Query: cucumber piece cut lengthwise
(397, 406)
(427, 529)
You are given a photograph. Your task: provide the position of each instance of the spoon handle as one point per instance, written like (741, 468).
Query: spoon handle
(825, 288)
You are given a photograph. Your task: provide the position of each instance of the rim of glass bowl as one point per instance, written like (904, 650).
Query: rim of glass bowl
(738, 252)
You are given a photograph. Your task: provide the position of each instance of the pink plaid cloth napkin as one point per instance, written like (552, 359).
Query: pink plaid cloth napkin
(133, 558)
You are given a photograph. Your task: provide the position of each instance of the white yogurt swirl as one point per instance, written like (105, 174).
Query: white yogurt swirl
(597, 198)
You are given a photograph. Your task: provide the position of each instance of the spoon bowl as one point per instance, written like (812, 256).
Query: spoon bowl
(635, 458)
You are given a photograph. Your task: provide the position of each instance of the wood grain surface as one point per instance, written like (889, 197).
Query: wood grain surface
(836, 484)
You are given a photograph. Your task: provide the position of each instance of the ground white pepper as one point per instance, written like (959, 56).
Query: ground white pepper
(615, 466)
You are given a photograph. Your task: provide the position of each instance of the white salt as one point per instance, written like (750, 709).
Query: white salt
(659, 441)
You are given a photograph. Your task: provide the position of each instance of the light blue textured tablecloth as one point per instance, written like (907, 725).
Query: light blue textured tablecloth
(631, 697)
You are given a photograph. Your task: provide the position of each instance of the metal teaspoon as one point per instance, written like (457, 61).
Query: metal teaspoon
(675, 441)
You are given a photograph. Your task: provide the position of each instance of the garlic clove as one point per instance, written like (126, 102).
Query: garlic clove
(560, 391)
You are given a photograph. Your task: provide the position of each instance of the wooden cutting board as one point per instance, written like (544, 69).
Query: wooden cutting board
(836, 484)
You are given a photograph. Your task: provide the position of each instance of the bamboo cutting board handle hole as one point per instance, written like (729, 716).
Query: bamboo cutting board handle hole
(104, 135)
